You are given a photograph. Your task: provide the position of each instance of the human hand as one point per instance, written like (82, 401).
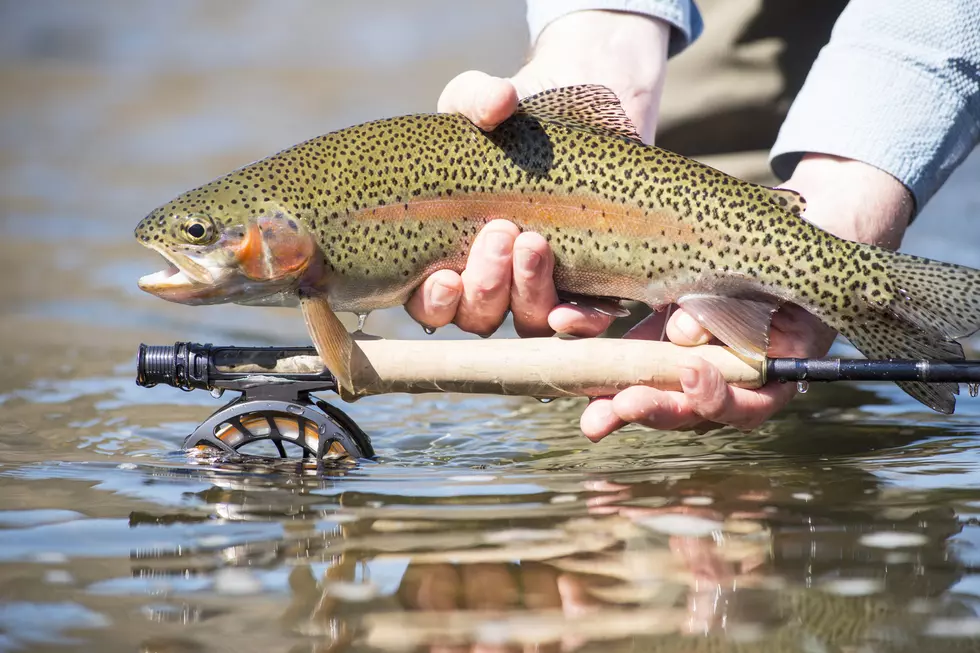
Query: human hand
(625, 52)
(850, 199)
(531, 588)
(505, 267)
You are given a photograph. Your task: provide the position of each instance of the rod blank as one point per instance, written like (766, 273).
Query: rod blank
(810, 369)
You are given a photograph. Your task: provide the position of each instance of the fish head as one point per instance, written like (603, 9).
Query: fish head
(219, 251)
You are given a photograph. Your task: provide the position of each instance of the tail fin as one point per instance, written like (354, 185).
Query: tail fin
(932, 304)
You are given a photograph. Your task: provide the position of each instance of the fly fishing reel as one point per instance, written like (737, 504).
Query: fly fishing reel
(276, 412)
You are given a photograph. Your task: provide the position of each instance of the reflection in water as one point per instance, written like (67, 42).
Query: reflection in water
(765, 558)
(848, 524)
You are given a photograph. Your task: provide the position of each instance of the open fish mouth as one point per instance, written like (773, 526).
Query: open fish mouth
(181, 273)
(172, 276)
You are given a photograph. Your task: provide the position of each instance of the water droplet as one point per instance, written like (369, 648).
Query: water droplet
(802, 387)
(545, 400)
(429, 330)
(217, 392)
(361, 319)
(974, 389)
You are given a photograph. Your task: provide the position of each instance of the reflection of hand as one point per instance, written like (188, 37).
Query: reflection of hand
(529, 586)
(712, 574)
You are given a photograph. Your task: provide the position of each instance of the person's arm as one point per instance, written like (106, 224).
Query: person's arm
(890, 108)
(851, 198)
(896, 91)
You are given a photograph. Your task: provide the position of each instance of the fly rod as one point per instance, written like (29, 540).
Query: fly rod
(276, 407)
(536, 367)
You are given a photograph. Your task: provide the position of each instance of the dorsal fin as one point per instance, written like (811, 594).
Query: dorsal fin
(588, 107)
(788, 199)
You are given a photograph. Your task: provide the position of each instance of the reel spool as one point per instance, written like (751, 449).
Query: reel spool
(313, 428)
(276, 413)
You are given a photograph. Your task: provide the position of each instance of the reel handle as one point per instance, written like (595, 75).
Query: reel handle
(535, 367)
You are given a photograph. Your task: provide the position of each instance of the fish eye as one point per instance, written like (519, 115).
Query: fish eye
(198, 230)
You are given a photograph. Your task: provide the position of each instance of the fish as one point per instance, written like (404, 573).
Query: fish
(355, 220)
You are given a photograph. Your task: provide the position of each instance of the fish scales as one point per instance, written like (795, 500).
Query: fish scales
(392, 201)
(387, 203)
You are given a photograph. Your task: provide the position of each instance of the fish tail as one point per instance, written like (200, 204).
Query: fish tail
(920, 308)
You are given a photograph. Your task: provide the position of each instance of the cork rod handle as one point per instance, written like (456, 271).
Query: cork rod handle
(534, 367)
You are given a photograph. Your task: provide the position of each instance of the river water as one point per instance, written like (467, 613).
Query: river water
(850, 523)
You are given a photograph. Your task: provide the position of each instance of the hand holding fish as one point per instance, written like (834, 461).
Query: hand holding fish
(509, 269)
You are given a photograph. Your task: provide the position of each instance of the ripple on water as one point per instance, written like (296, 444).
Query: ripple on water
(25, 624)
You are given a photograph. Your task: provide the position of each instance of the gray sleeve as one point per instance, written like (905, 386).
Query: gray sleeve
(683, 16)
(897, 87)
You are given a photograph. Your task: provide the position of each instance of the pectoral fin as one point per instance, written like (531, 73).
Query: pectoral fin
(332, 341)
(742, 324)
(606, 305)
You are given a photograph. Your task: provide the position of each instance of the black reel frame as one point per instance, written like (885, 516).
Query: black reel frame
(273, 406)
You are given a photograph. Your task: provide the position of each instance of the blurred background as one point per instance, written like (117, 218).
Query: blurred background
(112, 539)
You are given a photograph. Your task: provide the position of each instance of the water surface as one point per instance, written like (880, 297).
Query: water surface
(850, 523)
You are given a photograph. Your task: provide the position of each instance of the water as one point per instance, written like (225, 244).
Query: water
(851, 522)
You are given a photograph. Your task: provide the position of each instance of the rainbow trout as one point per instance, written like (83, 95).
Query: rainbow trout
(356, 219)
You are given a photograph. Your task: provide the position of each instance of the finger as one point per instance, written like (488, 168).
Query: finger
(714, 400)
(533, 294)
(578, 321)
(487, 101)
(798, 334)
(487, 279)
(682, 329)
(599, 420)
(434, 303)
(659, 409)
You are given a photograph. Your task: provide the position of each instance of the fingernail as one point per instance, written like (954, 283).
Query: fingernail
(689, 327)
(528, 261)
(689, 378)
(499, 243)
(595, 419)
(442, 296)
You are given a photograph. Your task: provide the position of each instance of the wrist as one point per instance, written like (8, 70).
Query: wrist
(625, 52)
(853, 200)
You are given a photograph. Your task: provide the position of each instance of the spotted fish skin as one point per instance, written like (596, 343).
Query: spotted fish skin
(388, 203)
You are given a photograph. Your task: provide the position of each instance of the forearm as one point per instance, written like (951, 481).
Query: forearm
(623, 45)
(682, 16)
(853, 200)
(897, 88)
(624, 52)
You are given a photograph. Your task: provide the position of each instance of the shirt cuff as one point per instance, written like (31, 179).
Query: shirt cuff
(683, 16)
(882, 110)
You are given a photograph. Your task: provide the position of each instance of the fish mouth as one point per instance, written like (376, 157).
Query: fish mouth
(181, 274)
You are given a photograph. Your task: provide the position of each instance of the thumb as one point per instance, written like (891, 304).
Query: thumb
(486, 100)
(682, 329)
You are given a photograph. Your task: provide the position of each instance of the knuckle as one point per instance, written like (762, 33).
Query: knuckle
(714, 407)
(488, 291)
